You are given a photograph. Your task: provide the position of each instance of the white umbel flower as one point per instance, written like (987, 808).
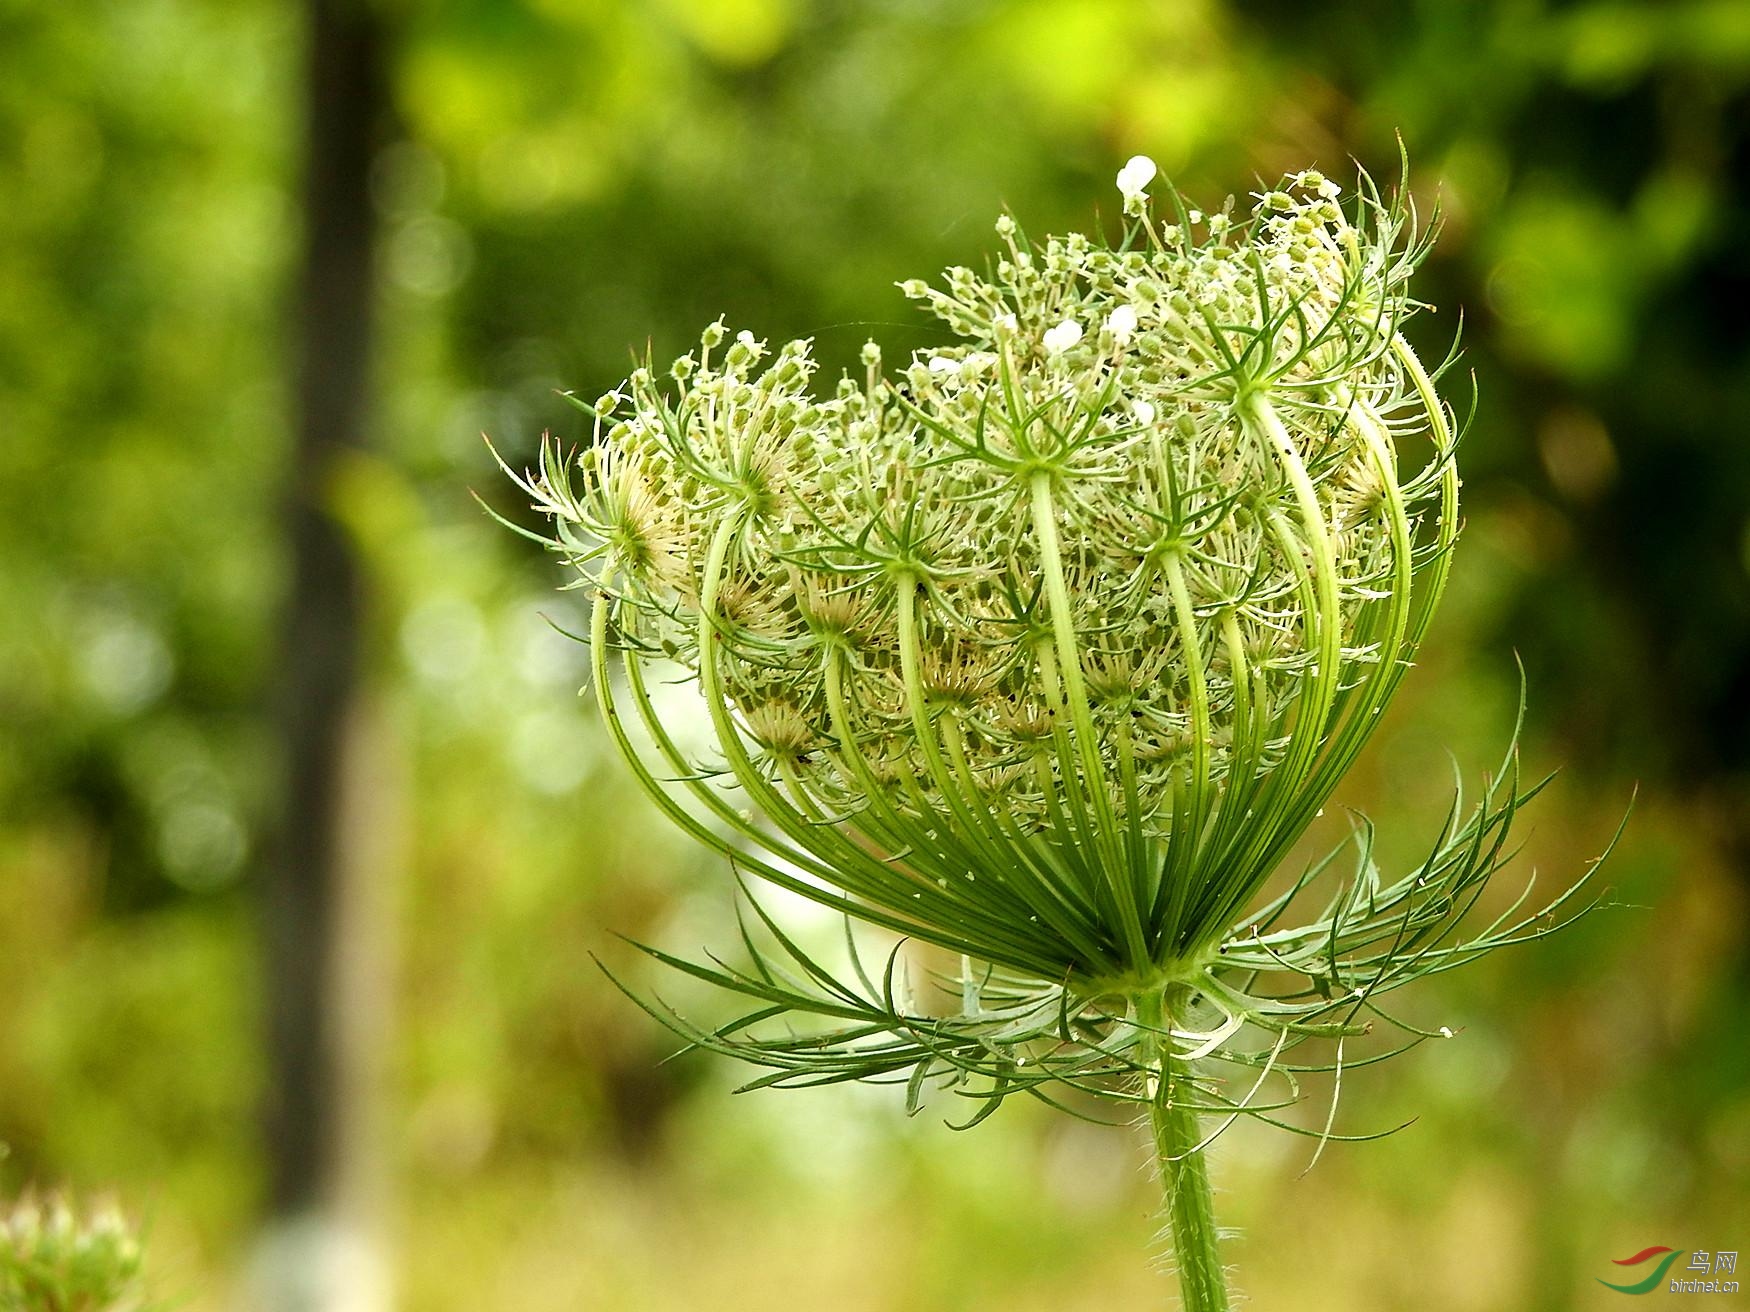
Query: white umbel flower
(1121, 323)
(1062, 337)
(1133, 180)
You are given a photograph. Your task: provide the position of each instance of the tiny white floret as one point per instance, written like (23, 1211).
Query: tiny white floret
(1445, 1032)
(1133, 180)
(1121, 323)
(944, 364)
(1005, 323)
(1061, 338)
(1144, 412)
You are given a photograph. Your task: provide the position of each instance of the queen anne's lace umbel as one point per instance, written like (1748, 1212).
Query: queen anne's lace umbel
(1047, 645)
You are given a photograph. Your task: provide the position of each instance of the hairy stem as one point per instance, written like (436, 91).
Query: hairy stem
(1183, 1169)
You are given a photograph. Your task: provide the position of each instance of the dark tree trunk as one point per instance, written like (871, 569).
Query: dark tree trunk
(308, 907)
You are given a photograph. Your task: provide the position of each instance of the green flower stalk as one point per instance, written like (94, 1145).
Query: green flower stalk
(1045, 648)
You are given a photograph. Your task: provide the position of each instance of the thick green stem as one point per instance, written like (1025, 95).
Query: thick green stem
(1184, 1172)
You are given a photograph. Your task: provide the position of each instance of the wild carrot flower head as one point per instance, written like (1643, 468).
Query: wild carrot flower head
(1046, 644)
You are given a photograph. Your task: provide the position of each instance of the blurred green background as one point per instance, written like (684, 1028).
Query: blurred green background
(555, 183)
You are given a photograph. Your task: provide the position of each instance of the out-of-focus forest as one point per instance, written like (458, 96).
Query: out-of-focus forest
(307, 838)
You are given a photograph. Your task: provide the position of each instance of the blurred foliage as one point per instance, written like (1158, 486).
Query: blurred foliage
(574, 178)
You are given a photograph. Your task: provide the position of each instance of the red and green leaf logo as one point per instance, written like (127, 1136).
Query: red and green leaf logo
(1653, 1281)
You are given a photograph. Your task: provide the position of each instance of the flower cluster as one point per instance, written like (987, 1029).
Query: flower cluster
(1102, 568)
(1047, 644)
(51, 1257)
